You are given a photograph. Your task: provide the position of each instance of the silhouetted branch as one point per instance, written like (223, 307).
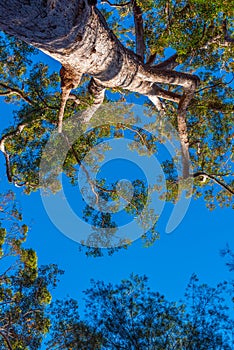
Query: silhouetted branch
(212, 177)
(116, 5)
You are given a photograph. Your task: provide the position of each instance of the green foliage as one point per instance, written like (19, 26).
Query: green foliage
(68, 331)
(192, 29)
(24, 287)
(128, 315)
(132, 316)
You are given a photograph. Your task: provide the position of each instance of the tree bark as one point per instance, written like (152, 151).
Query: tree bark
(77, 35)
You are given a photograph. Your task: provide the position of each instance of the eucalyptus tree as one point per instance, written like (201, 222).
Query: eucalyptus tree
(121, 47)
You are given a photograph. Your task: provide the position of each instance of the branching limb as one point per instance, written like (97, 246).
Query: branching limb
(205, 175)
(6, 339)
(139, 30)
(184, 142)
(14, 91)
(69, 81)
(169, 63)
(97, 91)
(225, 31)
(189, 83)
(182, 128)
(152, 90)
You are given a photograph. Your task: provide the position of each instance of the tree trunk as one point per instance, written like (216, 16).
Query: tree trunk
(77, 35)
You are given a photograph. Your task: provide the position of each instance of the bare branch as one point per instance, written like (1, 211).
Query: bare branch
(155, 75)
(184, 142)
(182, 129)
(212, 177)
(139, 30)
(116, 5)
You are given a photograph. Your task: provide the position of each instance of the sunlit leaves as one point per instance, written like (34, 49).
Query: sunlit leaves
(24, 288)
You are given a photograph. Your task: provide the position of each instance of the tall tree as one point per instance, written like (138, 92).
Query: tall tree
(104, 50)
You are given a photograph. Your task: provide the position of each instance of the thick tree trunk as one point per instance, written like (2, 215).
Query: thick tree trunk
(76, 34)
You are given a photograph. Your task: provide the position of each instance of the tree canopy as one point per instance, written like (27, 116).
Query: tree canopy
(132, 316)
(113, 52)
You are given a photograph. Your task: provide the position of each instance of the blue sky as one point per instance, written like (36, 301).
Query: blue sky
(193, 247)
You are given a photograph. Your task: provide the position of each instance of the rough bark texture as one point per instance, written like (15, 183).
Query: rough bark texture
(76, 34)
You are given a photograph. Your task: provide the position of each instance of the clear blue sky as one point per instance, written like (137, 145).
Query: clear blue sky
(193, 247)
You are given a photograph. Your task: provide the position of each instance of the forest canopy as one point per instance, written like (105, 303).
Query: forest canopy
(127, 315)
(154, 78)
(176, 55)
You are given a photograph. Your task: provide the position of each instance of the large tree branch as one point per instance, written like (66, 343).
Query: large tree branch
(139, 30)
(172, 77)
(7, 340)
(184, 142)
(97, 92)
(169, 63)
